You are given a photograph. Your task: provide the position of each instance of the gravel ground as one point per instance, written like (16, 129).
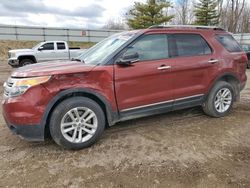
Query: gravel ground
(178, 149)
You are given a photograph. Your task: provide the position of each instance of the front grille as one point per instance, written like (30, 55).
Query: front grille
(9, 84)
(6, 93)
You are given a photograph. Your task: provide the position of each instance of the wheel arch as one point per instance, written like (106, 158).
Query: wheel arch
(31, 57)
(110, 115)
(230, 78)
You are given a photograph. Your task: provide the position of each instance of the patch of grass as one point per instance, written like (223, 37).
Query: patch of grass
(81, 44)
(6, 45)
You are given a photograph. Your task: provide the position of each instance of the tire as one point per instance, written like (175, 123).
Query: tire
(15, 66)
(26, 62)
(211, 108)
(62, 115)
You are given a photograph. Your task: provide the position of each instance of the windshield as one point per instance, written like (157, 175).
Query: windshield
(36, 46)
(103, 49)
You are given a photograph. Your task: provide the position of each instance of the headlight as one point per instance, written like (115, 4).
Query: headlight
(12, 54)
(15, 87)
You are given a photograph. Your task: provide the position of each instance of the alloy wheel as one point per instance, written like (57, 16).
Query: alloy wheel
(223, 100)
(79, 124)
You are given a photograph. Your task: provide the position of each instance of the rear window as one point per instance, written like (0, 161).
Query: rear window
(229, 43)
(61, 46)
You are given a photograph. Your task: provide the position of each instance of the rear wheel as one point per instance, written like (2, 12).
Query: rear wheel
(26, 62)
(77, 123)
(220, 100)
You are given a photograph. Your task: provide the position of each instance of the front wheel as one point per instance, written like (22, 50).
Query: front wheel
(26, 62)
(77, 123)
(219, 100)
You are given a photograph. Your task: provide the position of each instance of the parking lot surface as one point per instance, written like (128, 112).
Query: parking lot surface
(179, 149)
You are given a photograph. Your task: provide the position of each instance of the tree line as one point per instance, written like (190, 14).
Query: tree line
(232, 15)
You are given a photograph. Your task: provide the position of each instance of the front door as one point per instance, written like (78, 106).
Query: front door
(47, 52)
(147, 83)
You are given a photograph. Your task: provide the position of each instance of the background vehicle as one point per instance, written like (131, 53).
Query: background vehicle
(246, 48)
(129, 75)
(44, 51)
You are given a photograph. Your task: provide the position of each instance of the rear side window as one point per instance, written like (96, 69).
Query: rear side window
(48, 46)
(61, 46)
(188, 45)
(229, 43)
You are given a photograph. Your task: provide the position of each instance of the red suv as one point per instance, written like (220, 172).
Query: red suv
(128, 75)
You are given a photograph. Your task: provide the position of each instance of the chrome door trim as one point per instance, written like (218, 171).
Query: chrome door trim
(198, 95)
(163, 102)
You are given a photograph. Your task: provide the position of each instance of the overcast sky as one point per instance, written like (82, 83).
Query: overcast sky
(63, 13)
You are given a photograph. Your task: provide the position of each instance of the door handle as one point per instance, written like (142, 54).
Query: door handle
(164, 67)
(213, 61)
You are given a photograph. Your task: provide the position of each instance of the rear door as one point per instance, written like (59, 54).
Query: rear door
(194, 62)
(146, 84)
(62, 51)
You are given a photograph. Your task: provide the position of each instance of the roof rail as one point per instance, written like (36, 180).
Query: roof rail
(186, 26)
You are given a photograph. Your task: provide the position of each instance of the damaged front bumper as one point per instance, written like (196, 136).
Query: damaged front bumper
(13, 61)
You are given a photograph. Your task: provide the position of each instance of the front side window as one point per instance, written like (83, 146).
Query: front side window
(150, 47)
(48, 46)
(188, 45)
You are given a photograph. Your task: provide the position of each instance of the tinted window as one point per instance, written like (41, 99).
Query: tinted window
(151, 47)
(61, 46)
(188, 45)
(229, 43)
(48, 46)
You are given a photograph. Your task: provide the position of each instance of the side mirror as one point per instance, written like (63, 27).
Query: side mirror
(40, 48)
(128, 59)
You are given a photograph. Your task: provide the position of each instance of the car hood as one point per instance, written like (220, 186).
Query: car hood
(52, 68)
(21, 50)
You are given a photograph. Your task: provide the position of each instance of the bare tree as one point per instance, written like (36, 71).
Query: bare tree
(245, 21)
(237, 7)
(220, 8)
(184, 10)
(234, 15)
(114, 24)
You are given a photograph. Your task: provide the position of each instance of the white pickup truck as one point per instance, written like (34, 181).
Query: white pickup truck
(44, 51)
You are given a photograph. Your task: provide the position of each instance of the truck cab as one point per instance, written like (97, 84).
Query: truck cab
(52, 51)
(44, 51)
